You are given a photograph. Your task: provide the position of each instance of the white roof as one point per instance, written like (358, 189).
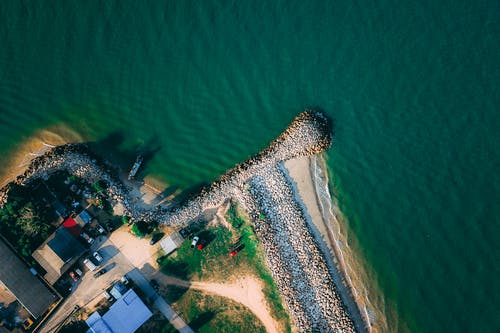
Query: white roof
(172, 242)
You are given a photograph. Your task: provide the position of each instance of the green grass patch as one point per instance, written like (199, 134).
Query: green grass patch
(214, 263)
(207, 313)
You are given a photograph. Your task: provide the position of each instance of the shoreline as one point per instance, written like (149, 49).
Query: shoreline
(294, 257)
(302, 173)
(41, 142)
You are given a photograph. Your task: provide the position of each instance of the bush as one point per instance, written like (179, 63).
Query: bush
(140, 229)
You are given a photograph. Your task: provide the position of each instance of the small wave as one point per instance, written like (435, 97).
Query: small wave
(355, 276)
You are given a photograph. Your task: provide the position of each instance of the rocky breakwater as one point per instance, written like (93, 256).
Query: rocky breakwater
(308, 134)
(293, 255)
(77, 160)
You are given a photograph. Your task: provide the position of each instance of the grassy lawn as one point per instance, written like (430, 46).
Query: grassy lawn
(214, 263)
(207, 313)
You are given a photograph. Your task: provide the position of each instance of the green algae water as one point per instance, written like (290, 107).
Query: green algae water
(412, 90)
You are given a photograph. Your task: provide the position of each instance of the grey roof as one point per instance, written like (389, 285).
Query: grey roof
(65, 245)
(28, 289)
(172, 242)
(125, 316)
(57, 254)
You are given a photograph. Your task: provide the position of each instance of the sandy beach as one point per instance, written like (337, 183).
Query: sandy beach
(36, 145)
(301, 263)
(309, 177)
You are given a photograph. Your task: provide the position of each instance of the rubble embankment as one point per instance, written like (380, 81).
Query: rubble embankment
(293, 255)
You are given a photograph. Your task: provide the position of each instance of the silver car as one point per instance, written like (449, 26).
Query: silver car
(98, 256)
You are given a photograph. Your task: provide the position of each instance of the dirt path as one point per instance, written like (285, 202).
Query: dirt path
(247, 291)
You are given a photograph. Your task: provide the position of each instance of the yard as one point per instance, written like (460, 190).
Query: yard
(213, 262)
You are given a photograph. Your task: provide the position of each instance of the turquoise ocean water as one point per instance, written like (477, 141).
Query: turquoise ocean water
(413, 90)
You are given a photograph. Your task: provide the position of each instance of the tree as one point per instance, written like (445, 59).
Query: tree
(29, 221)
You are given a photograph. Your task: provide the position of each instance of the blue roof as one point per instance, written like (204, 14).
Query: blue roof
(125, 316)
(85, 216)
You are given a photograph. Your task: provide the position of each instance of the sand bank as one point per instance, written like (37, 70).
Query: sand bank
(36, 145)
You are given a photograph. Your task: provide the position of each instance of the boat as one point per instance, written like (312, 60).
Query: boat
(135, 168)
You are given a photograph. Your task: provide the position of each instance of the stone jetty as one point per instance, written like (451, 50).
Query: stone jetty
(293, 255)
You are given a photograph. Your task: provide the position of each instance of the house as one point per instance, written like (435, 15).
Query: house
(172, 242)
(126, 315)
(29, 290)
(83, 218)
(58, 253)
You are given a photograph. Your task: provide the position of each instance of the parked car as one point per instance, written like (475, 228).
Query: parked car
(90, 265)
(195, 241)
(78, 271)
(87, 238)
(156, 238)
(100, 229)
(108, 295)
(97, 256)
(99, 273)
(125, 280)
(74, 276)
(155, 285)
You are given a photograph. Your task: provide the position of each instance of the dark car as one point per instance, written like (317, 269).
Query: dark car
(156, 238)
(155, 285)
(99, 273)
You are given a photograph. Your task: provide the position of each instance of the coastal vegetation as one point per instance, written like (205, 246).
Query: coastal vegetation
(25, 222)
(209, 313)
(213, 263)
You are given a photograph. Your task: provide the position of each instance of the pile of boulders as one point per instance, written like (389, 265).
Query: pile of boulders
(296, 262)
(294, 257)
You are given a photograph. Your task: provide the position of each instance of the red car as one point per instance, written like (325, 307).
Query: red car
(74, 276)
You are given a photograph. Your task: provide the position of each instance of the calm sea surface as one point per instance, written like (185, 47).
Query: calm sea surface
(413, 90)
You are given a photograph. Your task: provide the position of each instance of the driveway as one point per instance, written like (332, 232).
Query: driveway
(88, 288)
(159, 303)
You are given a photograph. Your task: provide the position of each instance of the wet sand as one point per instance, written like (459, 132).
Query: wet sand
(39, 143)
(303, 173)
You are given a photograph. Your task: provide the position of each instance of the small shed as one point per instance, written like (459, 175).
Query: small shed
(83, 218)
(172, 242)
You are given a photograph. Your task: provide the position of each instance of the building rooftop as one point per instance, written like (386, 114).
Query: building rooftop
(73, 228)
(83, 218)
(172, 242)
(32, 293)
(58, 253)
(126, 315)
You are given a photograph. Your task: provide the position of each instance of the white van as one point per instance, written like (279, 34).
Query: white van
(90, 265)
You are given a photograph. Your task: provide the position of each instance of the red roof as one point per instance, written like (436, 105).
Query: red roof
(73, 228)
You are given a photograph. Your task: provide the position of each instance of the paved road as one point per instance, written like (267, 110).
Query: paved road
(88, 288)
(159, 302)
